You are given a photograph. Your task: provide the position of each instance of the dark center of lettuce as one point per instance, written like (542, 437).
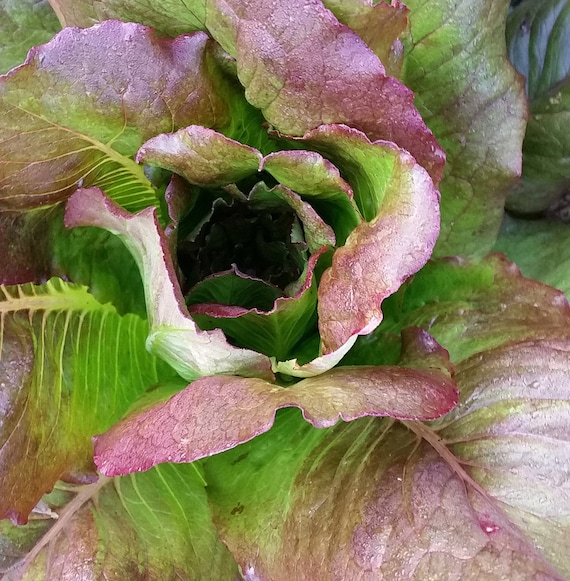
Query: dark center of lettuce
(262, 243)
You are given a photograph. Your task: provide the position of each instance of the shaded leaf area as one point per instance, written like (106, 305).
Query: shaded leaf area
(253, 314)
(169, 17)
(23, 24)
(540, 248)
(85, 102)
(70, 367)
(537, 38)
(380, 25)
(25, 244)
(482, 493)
(473, 101)
(154, 526)
(298, 65)
(36, 246)
(173, 335)
(214, 414)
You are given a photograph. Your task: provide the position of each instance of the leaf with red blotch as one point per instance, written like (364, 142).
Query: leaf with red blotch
(214, 414)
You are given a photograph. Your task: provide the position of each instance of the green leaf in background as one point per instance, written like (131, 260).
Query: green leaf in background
(540, 248)
(154, 526)
(473, 101)
(23, 24)
(67, 121)
(538, 33)
(70, 367)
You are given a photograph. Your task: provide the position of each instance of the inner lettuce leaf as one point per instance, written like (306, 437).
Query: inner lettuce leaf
(393, 192)
(158, 522)
(474, 102)
(64, 377)
(173, 335)
(81, 106)
(23, 24)
(187, 426)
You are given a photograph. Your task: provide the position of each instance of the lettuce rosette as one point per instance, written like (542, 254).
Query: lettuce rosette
(233, 343)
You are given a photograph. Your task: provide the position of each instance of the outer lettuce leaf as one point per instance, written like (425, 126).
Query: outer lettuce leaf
(474, 102)
(380, 26)
(216, 413)
(423, 517)
(540, 248)
(173, 335)
(86, 101)
(64, 377)
(303, 68)
(155, 526)
(482, 493)
(23, 24)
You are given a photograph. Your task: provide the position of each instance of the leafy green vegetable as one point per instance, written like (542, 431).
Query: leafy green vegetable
(212, 211)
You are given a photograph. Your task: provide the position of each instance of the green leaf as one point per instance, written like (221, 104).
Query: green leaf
(155, 526)
(67, 121)
(381, 25)
(537, 33)
(537, 38)
(173, 335)
(540, 248)
(70, 367)
(473, 101)
(23, 24)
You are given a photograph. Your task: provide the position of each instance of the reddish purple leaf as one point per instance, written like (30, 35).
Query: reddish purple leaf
(303, 69)
(217, 413)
